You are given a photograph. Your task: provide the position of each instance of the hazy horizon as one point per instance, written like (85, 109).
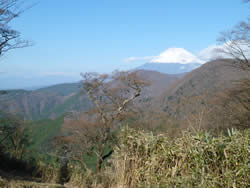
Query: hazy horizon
(86, 36)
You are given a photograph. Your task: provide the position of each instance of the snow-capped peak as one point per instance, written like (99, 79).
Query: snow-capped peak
(176, 55)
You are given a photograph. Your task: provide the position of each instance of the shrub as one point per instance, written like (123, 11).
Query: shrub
(193, 160)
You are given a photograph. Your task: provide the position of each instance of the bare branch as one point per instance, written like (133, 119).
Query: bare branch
(236, 44)
(112, 96)
(10, 39)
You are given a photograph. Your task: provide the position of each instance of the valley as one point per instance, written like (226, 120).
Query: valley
(124, 94)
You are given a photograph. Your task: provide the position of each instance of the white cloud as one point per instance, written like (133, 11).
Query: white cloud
(210, 53)
(133, 59)
(215, 51)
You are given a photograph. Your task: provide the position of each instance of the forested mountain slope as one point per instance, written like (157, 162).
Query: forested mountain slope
(48, 102)
(53, 101)
(208, 93)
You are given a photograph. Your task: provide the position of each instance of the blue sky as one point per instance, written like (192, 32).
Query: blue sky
(98, 35)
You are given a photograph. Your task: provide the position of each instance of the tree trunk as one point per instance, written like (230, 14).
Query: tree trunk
(99, 164)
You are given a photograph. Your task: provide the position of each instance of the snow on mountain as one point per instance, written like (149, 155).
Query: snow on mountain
(173, 61)
(176, 55)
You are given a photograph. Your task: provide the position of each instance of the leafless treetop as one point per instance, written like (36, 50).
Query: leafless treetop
(10, 38)
(236, 43)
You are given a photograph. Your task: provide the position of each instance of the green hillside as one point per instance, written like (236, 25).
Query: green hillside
(43, 131)
(50, 102)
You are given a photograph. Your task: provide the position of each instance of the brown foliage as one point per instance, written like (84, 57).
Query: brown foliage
(236, 103)
(94, 131)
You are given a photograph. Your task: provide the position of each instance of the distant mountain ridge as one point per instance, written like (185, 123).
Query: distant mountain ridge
(169, 68)
(49, 102)
(206, 82)
(53, 101)
(174, 97)
(173, 61)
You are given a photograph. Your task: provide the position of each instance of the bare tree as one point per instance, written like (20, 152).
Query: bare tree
(238, 99)
(236, 43)
(112, 96)
(10, 38)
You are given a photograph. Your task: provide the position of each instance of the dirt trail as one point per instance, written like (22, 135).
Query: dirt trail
(17, 179)
(4, 183)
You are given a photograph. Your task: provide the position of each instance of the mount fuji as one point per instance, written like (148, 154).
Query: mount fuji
(173, 61)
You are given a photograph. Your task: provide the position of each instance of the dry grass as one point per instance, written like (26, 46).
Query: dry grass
(26, 184)
(193, 160)
(142, 159)
(47, 173)
(83, 179)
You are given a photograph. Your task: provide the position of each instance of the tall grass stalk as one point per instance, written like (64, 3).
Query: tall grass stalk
(193, 160)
